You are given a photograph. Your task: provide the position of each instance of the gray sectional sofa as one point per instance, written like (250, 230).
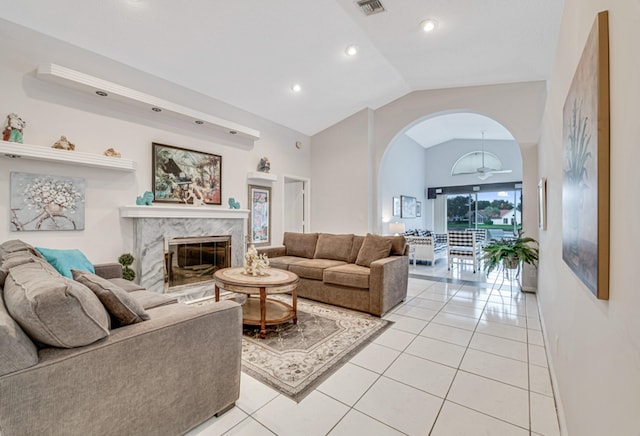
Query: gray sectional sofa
(145, 366)
(366, 273)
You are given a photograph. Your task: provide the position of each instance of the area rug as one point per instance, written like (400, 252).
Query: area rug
(295, 358)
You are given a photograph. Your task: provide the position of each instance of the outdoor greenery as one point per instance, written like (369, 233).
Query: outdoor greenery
(510, 252)
(458, 210)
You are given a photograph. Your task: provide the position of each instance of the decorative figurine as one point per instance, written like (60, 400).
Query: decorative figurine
(233, 204)
(13, 131)
(63, 144)
(146, 199)
(111, 152)
(255, 263)
(264, 166)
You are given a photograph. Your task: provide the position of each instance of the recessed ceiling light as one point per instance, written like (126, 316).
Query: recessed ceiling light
(296, 87)
(199, 122)
(351, 50)
(428, 25)
(233, 132)
(156, 109)
(101, 93)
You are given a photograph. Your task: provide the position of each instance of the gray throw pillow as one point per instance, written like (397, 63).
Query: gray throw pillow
(52, 309)
(9, 260)
(124, 309)
(16, 245)
(16, 349)
(373, 248)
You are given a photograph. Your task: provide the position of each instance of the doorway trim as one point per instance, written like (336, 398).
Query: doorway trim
(306, 204)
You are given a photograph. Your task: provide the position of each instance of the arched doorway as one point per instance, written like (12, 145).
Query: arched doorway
(457, 154)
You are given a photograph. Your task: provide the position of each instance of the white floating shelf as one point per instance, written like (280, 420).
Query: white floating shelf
(265, 177)
(182, 211)
(38, 152)
(93, 85)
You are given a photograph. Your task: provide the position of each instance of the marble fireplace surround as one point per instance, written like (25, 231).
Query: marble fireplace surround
(153, 224)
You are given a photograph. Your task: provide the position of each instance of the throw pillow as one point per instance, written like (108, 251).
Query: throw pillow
(355, 248)
(300, 244)
(54, 310)
(16, 245)
(124, 309)
(10, 260)
(373, 248)
(335, 247)
(16, 349)
(66, 260)
(397, 245)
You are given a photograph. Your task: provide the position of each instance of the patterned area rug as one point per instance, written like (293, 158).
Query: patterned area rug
(295, 358)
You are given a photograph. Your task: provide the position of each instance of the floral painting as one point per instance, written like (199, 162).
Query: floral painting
(260, 219)
(43, 202)
(585, 181)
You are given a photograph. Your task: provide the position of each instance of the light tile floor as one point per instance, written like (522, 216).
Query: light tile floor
(461, 358)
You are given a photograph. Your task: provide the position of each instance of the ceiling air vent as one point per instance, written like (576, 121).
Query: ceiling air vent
(370, 7)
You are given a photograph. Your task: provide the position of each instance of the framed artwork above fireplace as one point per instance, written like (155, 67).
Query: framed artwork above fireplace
(179, 175)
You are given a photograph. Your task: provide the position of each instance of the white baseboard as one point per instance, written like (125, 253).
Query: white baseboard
(562, 423)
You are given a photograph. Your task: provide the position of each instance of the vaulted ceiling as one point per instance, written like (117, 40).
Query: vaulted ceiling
(249, 53)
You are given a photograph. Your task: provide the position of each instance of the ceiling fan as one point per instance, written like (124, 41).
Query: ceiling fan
(484, 172)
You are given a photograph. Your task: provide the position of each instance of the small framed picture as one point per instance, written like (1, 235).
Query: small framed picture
(418, 209)
(260, 215)
(542, 204)
(408, 209)
(396, 206)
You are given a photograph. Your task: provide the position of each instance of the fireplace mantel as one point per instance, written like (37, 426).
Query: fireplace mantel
(153, 225)
(182, 211)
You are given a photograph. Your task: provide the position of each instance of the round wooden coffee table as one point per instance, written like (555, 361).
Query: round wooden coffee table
(261, 311)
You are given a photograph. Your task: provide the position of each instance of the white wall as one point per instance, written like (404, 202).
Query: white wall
(517, 106)
(52, 111)
(341, 176)
(594, 345)
(402, 172)
(364, 139)
(442, 157)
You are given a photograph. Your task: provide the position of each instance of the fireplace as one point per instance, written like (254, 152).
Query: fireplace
(194, 260)
(154, 225)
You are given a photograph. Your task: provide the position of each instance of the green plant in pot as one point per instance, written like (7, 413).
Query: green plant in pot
(510, 252)
(125, 260)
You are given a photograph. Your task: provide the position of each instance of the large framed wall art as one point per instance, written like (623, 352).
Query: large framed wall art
(180, 175)
(585, 181)
(45, 202)
(260, 215)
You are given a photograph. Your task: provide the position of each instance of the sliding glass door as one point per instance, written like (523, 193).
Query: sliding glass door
(500, 211)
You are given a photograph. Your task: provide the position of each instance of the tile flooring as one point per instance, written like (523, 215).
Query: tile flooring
(461, 358)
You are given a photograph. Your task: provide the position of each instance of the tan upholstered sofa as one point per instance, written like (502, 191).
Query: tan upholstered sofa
(159, 376)
(368, 274)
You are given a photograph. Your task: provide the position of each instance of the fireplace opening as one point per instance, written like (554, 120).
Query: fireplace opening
(194, 260)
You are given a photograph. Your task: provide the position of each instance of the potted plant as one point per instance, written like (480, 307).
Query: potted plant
(510, 252)
(125, 260)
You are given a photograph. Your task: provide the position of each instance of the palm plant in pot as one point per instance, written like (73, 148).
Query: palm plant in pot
(510, 252)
